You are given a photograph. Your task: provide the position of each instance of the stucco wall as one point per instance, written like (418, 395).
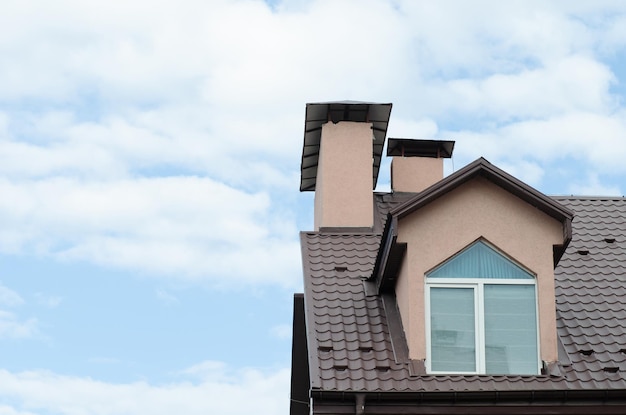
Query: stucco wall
(442, 228)
(414, 174)
(343, 190)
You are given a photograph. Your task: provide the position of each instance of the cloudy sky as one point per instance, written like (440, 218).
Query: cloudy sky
(149, 170)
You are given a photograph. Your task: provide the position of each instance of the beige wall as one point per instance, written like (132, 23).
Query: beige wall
(414, 174)
(343, 190)
(476, 209)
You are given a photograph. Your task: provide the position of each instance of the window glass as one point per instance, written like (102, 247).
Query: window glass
(452, 323)
(480, 261)
(510, 329)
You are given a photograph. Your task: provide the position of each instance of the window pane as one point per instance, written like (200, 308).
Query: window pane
(452, 330)
(510, 329)
(480, 261)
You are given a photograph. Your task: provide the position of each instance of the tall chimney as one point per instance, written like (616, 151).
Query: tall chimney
(417, 164)
(343, 143)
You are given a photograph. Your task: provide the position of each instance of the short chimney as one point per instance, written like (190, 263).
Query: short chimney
(343, 144)
(417, 164)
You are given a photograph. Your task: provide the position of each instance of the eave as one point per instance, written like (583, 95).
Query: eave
(471, 402)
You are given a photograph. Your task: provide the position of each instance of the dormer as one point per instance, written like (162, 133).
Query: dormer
(471, 263)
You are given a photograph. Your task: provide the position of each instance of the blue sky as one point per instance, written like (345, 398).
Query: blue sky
(149, 170)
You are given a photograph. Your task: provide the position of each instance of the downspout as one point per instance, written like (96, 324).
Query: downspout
(360, 403)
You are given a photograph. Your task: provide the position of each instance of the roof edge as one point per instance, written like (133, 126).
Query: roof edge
(482, 167)
(314, 369)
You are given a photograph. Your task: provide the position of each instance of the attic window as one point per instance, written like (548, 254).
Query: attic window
(481, 315)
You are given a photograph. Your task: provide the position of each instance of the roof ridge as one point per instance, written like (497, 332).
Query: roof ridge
(598, 198)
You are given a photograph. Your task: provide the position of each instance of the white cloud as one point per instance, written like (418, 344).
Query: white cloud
(530, 149)
(595, 139)
(241, 392)
(186, 227)
(417, 128)
(7, 410)
(572, 83)
(8, 297)
(13, 328)
(527, 172)
(593, 187)
(208, 370)
(168, 142)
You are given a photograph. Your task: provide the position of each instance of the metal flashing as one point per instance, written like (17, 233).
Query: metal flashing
(407, 147)
(345, 229)
(396, 330)
(320, 113)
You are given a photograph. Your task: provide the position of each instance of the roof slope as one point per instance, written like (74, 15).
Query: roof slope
(591, 293)
(348, 332)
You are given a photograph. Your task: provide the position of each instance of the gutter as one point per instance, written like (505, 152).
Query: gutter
(465, 402)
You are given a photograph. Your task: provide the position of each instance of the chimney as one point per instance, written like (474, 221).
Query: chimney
(417, 164)
(343, 145)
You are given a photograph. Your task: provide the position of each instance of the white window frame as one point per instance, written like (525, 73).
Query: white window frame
(477, 284)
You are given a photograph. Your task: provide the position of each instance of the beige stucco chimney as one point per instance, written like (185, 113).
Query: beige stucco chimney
(417, 164)
(343, 195)
(343, 144)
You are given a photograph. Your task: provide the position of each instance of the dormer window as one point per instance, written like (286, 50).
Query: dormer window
(481, 315)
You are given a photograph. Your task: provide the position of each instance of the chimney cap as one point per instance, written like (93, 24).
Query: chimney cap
(407, 147)
(320, 113)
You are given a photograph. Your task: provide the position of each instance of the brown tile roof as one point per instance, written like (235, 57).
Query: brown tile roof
(349, 340)
(591, 293)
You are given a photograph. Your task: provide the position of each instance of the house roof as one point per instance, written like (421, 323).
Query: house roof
(355, 342)
(318, 114)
